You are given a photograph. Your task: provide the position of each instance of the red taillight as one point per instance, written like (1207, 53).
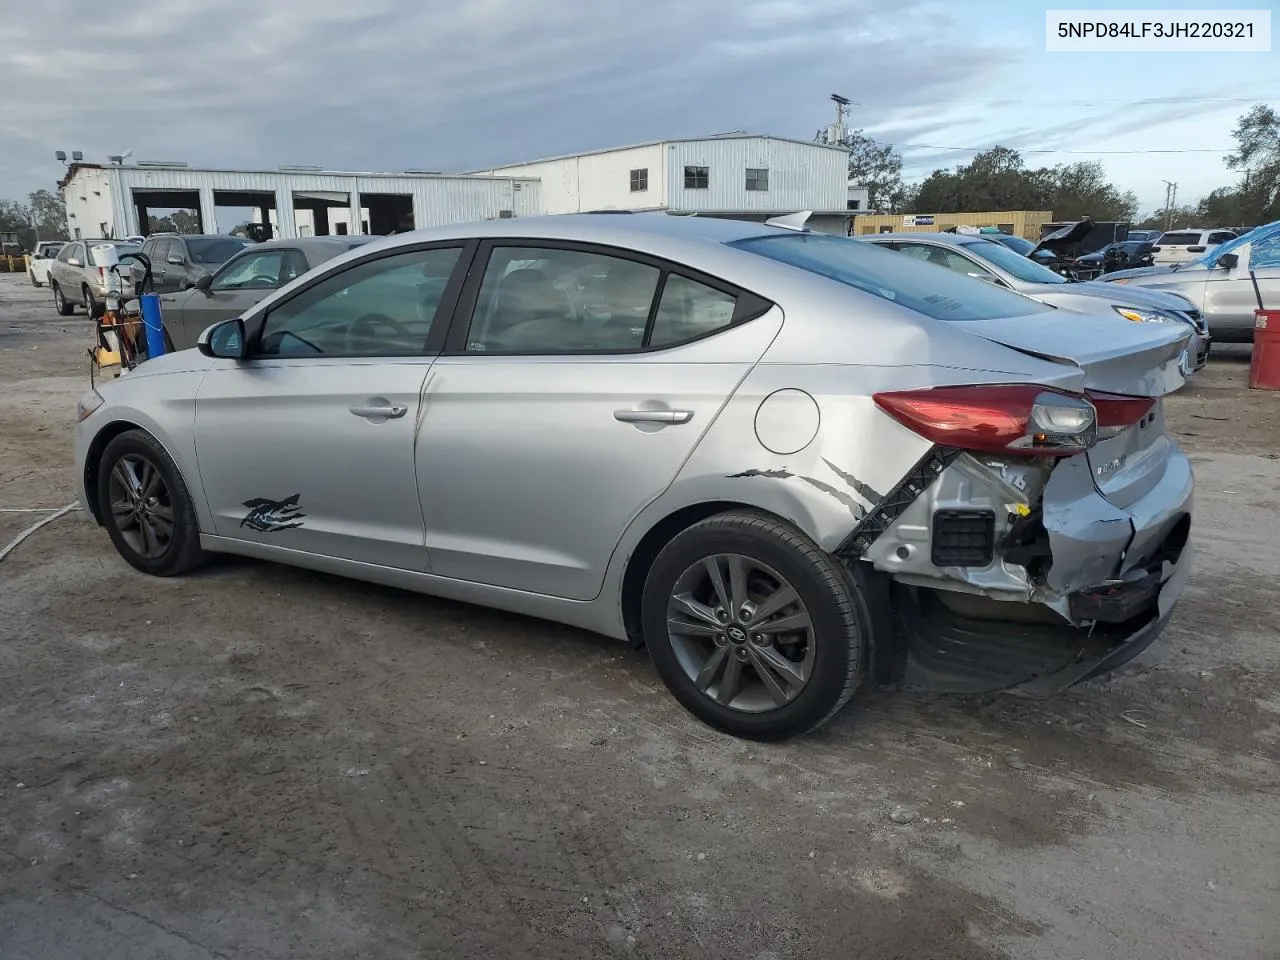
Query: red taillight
(1021, 419)
(1117, 413)
(102, 274)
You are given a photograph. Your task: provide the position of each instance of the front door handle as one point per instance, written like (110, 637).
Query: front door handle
(653, 416)
(388, 413)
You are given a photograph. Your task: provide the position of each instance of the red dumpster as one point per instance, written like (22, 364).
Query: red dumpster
(1264, 369)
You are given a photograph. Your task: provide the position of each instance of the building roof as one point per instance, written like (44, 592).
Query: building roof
(737, 135)
(74, 168)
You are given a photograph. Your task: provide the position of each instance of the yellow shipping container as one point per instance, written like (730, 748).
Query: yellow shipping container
(1020, 223)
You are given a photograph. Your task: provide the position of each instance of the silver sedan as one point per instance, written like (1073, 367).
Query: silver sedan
(783, 462)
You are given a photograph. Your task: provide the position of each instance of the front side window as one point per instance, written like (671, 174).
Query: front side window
(1012, 262)
(893, 277)
(697, 178)
(68, 252)
(640, 180)
(378, 308)
(942, 257)
(757, 178)
(553, 301)
(160, 252)
(266, 270)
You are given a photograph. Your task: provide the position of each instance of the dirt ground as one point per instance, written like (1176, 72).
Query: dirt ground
(259, 762)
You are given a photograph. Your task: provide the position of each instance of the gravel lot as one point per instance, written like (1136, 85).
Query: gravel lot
(264, 762)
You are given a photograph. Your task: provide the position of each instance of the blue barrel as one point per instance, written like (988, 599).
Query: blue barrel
(152, 323)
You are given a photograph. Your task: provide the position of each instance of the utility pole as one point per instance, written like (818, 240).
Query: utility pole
(837, 133)
(1170, 198)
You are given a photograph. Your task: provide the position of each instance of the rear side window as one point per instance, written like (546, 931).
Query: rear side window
(549, 300)
(1220, 236)
(1178, 240)
(939, 294)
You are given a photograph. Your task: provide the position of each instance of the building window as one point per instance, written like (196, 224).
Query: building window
(855, 204)
(697, 178)
(757, 178)
(640, 180)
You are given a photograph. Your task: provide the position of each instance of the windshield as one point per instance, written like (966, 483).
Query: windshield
(1012, 262)
(918, 286)
(217, 250)
(1230, 246)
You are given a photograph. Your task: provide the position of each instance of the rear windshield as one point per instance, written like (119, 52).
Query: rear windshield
(910, 283)
(1178, 240)
(215, 250)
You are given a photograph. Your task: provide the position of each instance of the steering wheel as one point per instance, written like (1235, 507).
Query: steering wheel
(362, 328)
(260, 281)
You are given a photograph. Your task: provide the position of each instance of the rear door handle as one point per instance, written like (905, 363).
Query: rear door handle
(388, 412)
(653, 416)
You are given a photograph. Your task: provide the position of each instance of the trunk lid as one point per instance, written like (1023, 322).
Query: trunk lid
(1115, 355)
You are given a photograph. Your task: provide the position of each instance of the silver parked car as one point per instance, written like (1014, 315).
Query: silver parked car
(995, 262)
(75, 281)
(246, 279)
(1225, 284)
(784, 462)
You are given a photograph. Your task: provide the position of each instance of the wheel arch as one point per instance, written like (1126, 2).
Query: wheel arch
(650, 544)
(98, 445)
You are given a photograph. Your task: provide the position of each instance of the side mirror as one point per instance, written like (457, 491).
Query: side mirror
(1228, 261)
(203, 282)
(987, 277)
(177, 259)
(224, 340)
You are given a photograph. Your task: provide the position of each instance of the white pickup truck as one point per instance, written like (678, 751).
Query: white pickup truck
(41, 258)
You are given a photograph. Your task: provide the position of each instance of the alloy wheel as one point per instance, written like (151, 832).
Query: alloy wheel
(741, 633)
(141, 505)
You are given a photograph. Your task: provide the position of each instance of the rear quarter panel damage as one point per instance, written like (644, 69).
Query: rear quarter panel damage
(856, 454)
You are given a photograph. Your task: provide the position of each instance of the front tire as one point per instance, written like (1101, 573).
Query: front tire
(146, 507)
(752, 627)
(91, 305)
(34, 281)
(64, 306)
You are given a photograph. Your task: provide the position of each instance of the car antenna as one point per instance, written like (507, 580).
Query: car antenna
(792, 221)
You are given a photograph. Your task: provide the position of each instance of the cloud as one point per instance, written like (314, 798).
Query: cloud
(395, 84)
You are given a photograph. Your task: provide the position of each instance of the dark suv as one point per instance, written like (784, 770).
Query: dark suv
(179, 260)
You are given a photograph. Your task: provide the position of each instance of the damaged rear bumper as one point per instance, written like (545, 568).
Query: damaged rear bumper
(1071, 585)
(949, 651)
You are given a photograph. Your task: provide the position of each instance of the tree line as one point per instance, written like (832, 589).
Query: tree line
(42, 217)
(999, 179)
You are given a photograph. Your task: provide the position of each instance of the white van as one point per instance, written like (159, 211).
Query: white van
(1179, 246)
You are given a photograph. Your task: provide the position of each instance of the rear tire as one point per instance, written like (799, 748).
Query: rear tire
(788, 680)
(64, 306)
(146, 508)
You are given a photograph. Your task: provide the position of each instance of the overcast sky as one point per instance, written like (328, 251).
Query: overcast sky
(422, 84)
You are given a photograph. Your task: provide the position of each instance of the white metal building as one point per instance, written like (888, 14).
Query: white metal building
(736, 175)
(113, 200)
